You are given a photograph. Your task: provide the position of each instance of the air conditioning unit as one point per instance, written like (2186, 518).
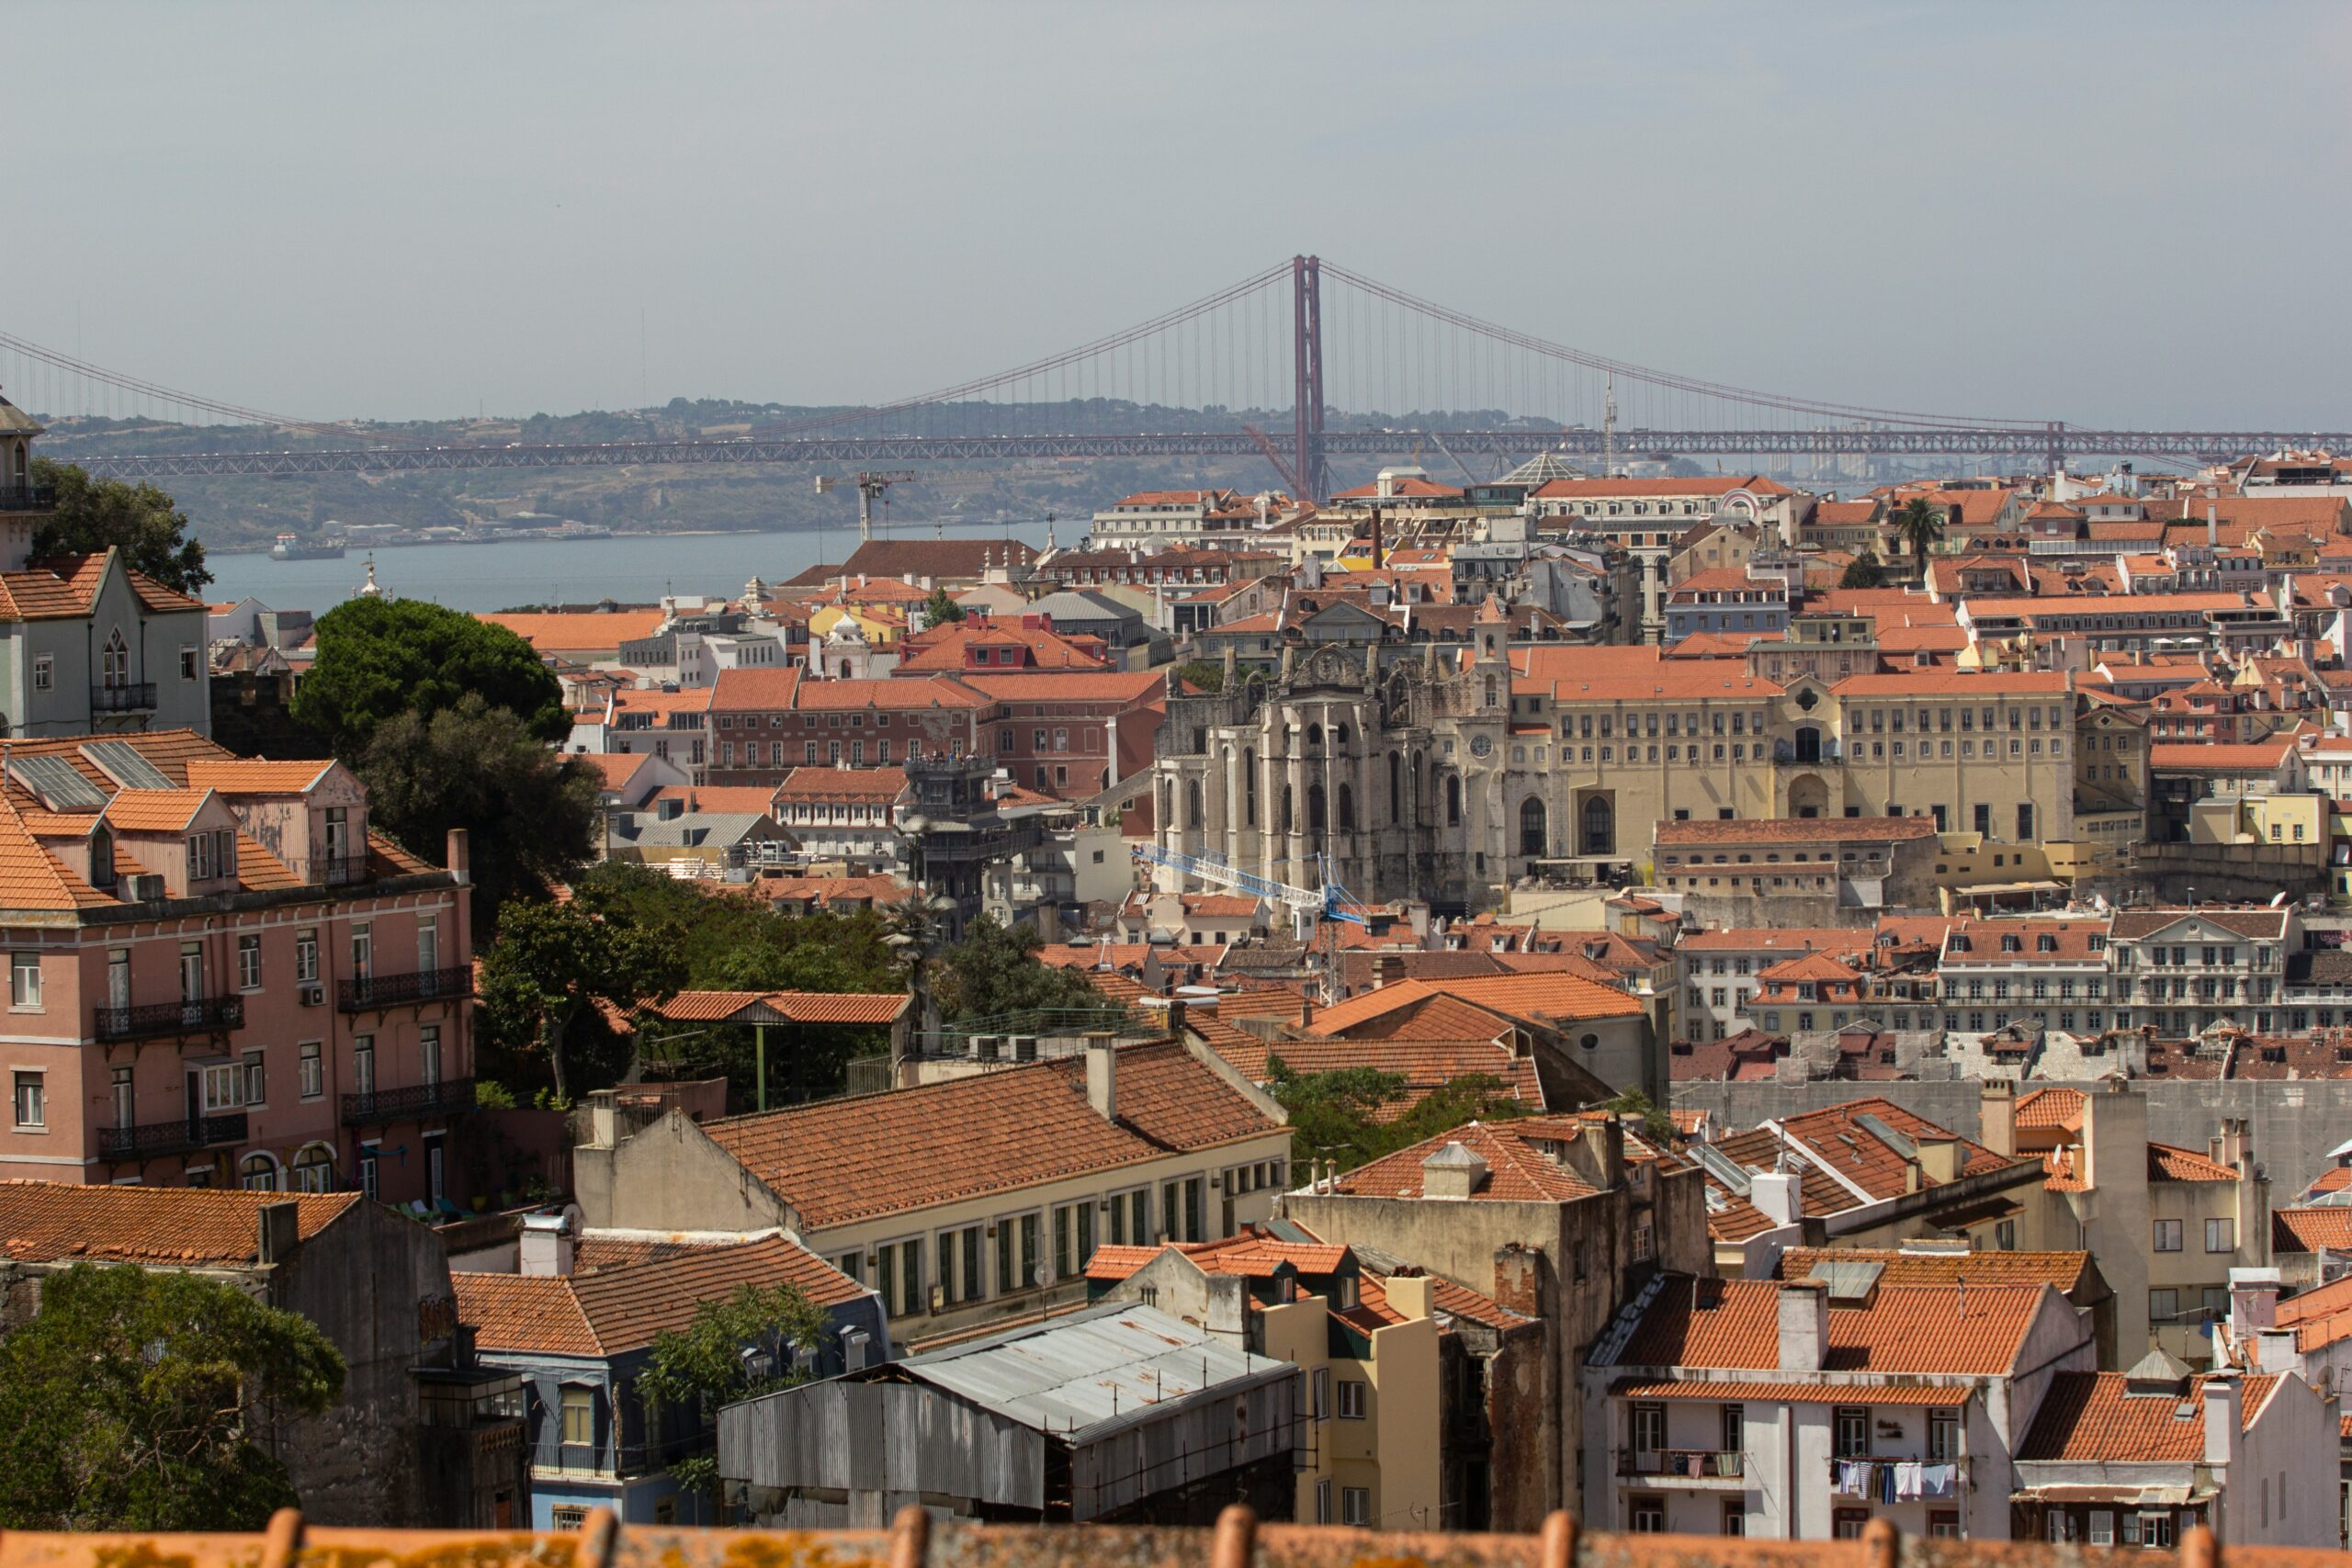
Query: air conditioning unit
(146, 888)
(314, 996)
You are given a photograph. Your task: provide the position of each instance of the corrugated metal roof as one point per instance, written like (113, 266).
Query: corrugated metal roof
(1076, 1373)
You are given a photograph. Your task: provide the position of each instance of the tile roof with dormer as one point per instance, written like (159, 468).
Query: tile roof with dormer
(1734, 1325)
(51, 1221)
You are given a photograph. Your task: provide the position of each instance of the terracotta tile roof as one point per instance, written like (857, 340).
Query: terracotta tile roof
(2058, 1108)
(1835, 1139)
(1002, 1132)
(2166, 1163)
(1905, 1329)
(253, 775)
(154, 810)
(801, 1007)
(1797, 831)
(579, 631)
(1516, 1172)
(1248, 1256)
(2061, 1270)
(1633, 673)
(1728, 1389)
(1706, 485)
(873, 785)
(2252, 924)
(2089, 1418)
(742, 800)
(1543, 997)
(626, 1306)
(1072, 686)
(51, 1221)
(2309, 1230)
(2208, 757)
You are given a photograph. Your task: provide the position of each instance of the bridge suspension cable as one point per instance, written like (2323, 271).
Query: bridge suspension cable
(67, 365)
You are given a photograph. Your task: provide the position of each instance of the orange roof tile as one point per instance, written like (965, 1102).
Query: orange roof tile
(909, 1149)
(52, 1222)
(1928, 1330)
(627, 1306)
(1516, 1172)
(154, 810)
(253, 775)
(2092, 1417)
(2061, 1270)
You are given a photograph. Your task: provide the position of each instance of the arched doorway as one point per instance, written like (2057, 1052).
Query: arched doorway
(258, 1173)
(1600, 834)
(1534, 841)
(1808, 796)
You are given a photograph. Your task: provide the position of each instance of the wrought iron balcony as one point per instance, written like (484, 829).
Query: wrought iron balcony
(136, 696)
(153, 1140)
(152, 1021)
(27, 497)
(401, 990)
(413, 1103)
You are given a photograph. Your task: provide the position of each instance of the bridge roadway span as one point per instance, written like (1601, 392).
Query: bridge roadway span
(2037, 441)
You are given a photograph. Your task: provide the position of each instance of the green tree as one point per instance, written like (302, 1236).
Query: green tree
(1862, 572)
(995, 969)
(1347, 1115)
(377, 658)
(1639, 1108)
(134, 1401)
(531, 814)
(697, 1369)
(1919, 524)
(939, 610)
(142, 522)
(1203, 674)
(553, 962)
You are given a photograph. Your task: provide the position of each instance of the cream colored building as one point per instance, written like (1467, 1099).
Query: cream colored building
(969, 1200)
(1449, 779)
(1367, 1352)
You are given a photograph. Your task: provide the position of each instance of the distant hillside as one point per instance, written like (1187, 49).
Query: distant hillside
(236, 512)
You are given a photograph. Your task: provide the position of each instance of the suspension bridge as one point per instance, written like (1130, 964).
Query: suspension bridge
(1297, 365)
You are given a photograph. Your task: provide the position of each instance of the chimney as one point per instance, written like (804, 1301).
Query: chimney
(2212, 526)
(1598, 1154)
(1102, 1075)
(1996, 1117)
(278, 1231)
(1779, 1196)
(1804, 1325)
(1411, 1294)
(1454, 1172)
(1519, 1279)
(545, 1244)
(2253, 1299)
(1939, 1160)
(1176, 1017)
(460, 856)
(2220, 1397)
(1307, 1011)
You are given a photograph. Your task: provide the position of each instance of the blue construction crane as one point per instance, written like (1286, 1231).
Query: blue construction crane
(1325, 906)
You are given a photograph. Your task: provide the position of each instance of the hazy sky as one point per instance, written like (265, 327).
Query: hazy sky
(2134, 214)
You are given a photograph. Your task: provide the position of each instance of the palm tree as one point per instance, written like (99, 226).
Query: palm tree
(1919, 524)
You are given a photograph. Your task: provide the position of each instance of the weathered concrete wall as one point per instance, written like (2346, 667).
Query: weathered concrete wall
(2291, 1126)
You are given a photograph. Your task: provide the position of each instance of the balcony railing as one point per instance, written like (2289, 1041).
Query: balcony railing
(400, 990)
(413, 1103)
(136, 696)
(154, 1019)
(27, 497)
(1686, 1464)
(332, 870)
(153, 1140)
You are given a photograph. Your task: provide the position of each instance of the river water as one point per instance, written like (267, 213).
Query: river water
(636, 569)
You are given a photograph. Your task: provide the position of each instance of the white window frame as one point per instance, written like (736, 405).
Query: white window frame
(1352, 1400)
(24, 981)
(28, 1099)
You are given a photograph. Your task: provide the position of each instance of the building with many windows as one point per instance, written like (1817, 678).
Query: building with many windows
(964, 1201)
(219, 976)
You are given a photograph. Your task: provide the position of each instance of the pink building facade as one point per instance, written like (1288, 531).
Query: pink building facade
(219, 975)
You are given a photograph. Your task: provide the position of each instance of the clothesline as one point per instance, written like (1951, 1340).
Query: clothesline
(1896, 1480)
